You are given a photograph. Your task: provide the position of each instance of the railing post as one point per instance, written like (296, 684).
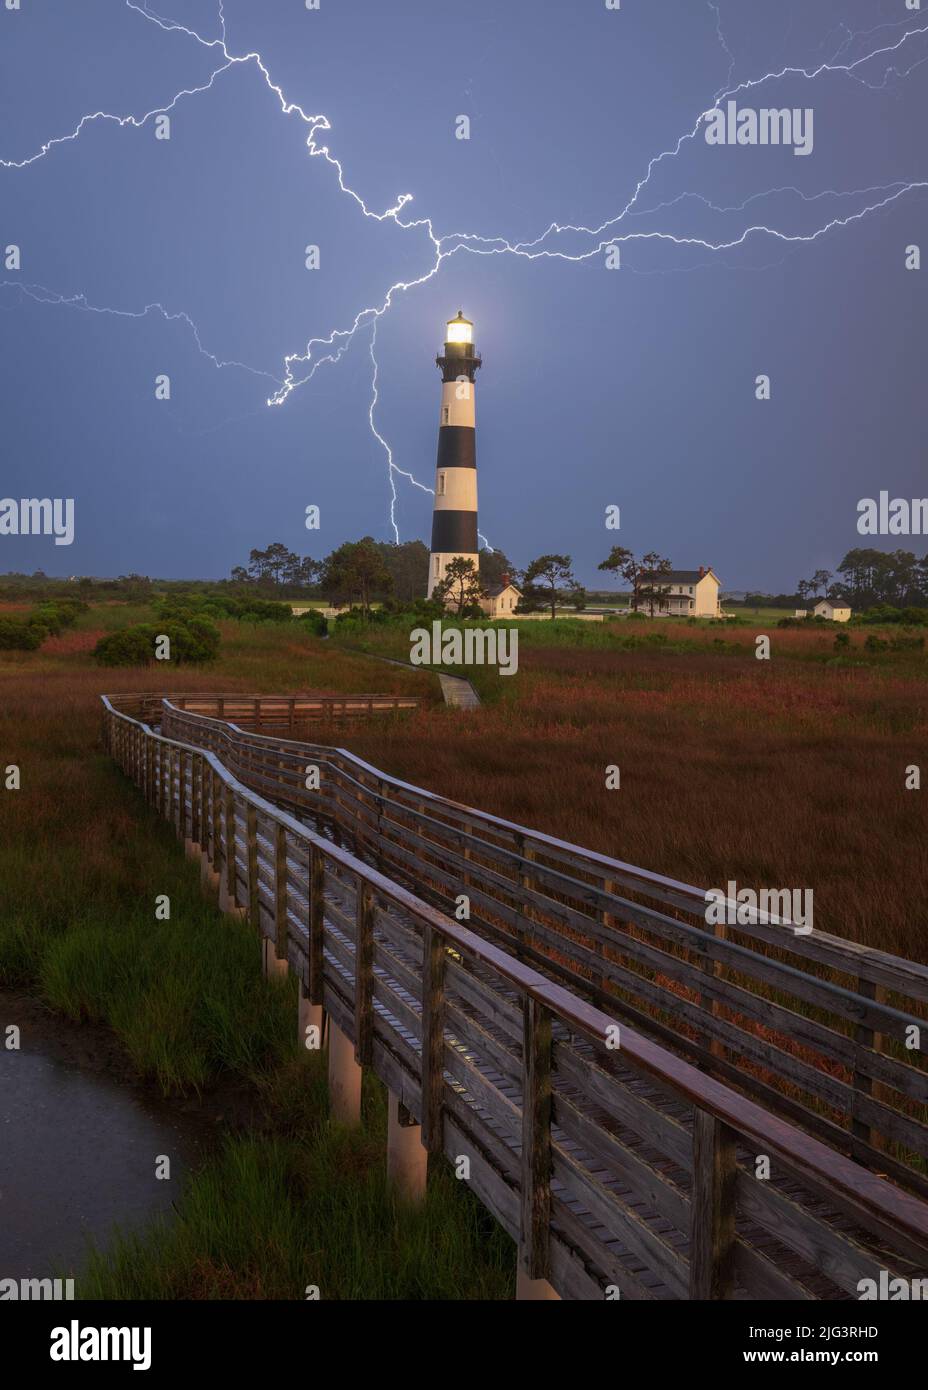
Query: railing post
(227, 886)
(536, 1151)
(712, 1219)
(251, 834)
(179, 765)
(525, 881)
(864, 1085)
(162, 789)
(196, 788)
(364, 974)
(433, 1039)
(217, 823)
(281, 897)
(316, 923)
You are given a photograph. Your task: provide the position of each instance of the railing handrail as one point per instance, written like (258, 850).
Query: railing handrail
(858, 1187)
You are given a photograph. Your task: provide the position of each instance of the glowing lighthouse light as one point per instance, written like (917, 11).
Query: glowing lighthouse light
(460, 330)
(454, 520)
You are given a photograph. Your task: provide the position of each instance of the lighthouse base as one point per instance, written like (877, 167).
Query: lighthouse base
(439, 562)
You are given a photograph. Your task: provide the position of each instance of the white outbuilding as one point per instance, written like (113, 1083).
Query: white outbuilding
(834, 612)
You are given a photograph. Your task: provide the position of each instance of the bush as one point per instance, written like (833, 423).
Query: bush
(883, 613)
(17, 636)
(842, 641)
(194, 641)
(315, 622)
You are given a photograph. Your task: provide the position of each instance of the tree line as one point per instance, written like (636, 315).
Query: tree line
(865, 578)
(365, 572)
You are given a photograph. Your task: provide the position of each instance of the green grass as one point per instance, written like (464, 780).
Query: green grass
(309, 1205)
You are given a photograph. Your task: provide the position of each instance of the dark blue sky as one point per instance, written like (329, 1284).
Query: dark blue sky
(633, 387)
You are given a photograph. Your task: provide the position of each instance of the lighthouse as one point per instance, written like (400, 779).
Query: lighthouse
(454, 520)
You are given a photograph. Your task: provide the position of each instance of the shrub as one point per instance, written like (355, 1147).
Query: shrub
(842, 641)
(16, 635)
(194, 641)
(315, 622)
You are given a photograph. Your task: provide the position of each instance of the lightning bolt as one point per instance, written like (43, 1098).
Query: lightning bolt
(299, 368)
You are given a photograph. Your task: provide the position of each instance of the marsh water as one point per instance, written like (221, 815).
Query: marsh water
(78, 1155)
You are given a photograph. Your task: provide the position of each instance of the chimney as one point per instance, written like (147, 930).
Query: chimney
(702, 570)
(505, 581)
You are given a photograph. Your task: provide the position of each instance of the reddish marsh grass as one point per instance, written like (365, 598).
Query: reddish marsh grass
(789, 773)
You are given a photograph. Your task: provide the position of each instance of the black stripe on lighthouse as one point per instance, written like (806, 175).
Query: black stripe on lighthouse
(457, 446)
(454, 533)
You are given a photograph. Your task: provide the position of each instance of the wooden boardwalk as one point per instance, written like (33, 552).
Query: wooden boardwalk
(640, 1169)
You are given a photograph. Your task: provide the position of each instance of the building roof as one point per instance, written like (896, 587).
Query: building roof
(687, 576)
(494, 590)
(832, 603)
(681, 576)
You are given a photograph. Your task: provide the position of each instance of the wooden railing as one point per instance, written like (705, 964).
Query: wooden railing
(824, 1031)
(617, 1168)
(272, 711)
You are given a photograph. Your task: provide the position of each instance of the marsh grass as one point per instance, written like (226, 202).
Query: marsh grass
(310, 1205)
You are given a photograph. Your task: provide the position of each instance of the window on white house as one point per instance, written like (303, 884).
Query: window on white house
(437, 566)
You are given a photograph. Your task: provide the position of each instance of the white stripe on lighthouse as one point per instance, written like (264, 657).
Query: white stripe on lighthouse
(455, 490)
(457, 404)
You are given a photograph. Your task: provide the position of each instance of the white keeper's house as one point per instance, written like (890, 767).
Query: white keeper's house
(687, 594)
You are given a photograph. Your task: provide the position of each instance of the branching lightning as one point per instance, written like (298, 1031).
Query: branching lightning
(299, 368)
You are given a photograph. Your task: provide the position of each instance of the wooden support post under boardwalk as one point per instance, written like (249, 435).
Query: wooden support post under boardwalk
(712, 1222)
(310, 1016)
(407, 1157)
(534, 1290)
(344, 1079)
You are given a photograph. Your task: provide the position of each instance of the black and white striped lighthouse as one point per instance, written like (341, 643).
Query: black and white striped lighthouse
(454, 520)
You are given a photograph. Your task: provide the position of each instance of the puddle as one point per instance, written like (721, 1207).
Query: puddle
(78, 1155)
